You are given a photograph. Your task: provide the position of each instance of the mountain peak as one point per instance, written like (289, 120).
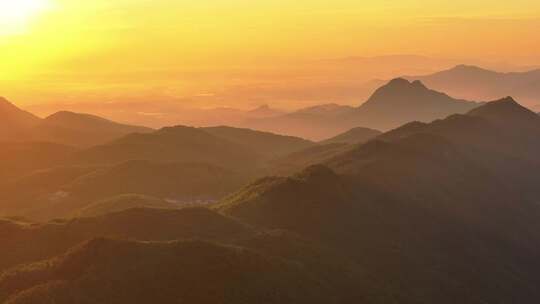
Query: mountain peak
(401, 90)
(509, 101)
(68, 115)
(14, 118)
(264, 110)
(469, 69)
(506, 110)
(498, 106)
(419, 84)
(398, 82)
(6, 104)
(402, 84)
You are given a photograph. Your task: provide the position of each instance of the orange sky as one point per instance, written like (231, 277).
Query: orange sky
(106, 50)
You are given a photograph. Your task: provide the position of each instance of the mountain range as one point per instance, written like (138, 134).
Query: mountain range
(181, 165)
(357, 135)
(225, 256)
(68, 128)
(460, 81)
(472, 82)
(417, 206)
(441, 207)
(392, 105)
(15, 121)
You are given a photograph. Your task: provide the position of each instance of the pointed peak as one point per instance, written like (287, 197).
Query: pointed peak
(503, 104)
(11, 114)
(507, 100)
(402, 83)
(419, 84)
(399, 90)
(4, 102)
(505, 110)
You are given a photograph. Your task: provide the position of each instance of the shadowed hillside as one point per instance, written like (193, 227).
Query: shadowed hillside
(353, 136)
(416, 209)
(194, 271)
(439, 212)
(70, 189)
(267, 144)
(182, 144)
(34, 242)
(20, 158)
(297, 161)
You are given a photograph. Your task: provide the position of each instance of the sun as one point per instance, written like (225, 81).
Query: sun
(15, 15)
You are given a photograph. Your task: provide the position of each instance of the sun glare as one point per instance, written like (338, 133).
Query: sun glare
(16, 14)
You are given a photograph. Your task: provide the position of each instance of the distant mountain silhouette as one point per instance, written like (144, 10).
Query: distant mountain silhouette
(314, 123)
(14, 121)
(81, 129)
(401, 101)
(353, 136)
(331, 109)
(264, 111)
(392, 105)
(477, 83)
(64, 127)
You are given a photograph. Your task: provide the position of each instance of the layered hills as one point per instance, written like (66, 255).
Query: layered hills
(419, 205)
(398, 102)
(68, 128)
(477, 83)
(443, 208)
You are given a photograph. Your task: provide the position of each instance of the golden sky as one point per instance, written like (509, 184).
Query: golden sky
(67, 50)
